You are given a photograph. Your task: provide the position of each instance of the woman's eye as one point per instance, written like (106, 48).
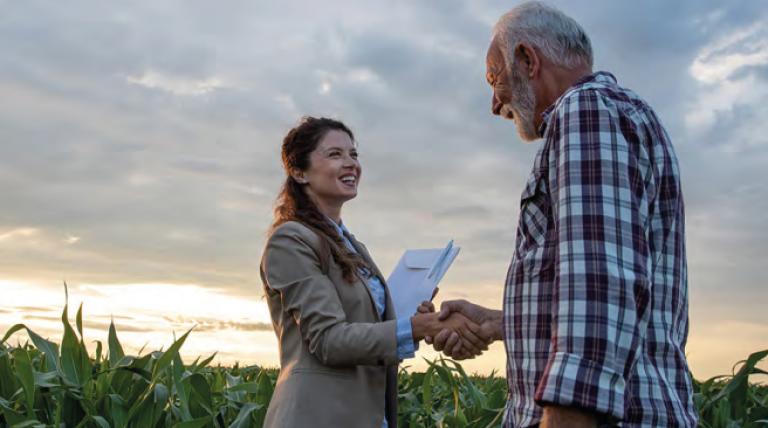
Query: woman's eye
(353, 155)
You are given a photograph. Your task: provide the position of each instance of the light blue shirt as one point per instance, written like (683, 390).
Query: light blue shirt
(405, 346)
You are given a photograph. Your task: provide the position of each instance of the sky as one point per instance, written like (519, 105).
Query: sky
(140, 154)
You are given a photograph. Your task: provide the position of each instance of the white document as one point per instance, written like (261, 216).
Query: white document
(416, 276)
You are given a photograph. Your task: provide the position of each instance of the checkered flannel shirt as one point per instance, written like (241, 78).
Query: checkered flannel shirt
(596, 297)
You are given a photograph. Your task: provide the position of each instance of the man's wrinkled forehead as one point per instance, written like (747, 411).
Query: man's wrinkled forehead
(494, 61)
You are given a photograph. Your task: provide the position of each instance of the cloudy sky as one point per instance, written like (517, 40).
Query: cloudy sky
(139, 153)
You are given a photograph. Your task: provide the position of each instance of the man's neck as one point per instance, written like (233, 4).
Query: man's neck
(556, 82)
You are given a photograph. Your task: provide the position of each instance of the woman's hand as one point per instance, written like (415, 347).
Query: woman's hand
(426, 307)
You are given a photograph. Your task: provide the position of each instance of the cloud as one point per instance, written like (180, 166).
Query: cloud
(19, 234)
(725, 56)
(176, 85)
(728, 69)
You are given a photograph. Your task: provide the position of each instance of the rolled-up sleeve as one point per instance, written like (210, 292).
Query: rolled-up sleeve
(405, 345)
(601, 288)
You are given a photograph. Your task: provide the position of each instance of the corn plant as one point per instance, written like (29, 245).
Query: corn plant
(43, 383)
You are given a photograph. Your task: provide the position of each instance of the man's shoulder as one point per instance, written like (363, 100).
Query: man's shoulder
(605, 96)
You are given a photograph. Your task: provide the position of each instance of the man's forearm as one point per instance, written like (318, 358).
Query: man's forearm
(494, 327)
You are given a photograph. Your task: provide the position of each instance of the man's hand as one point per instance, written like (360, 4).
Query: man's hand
(558, 416)
(449, 342)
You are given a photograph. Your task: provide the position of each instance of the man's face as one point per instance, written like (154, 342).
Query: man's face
(513, 96)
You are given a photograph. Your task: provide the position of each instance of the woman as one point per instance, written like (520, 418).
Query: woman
(339, 342)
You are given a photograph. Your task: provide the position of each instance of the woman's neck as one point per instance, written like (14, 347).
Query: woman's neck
(332, 211)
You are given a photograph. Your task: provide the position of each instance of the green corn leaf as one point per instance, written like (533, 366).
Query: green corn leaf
(181, 389)
(118, 411)
(70, 352)
(50, 349)
(426, 389)
(265, 389)
(243, 419)
(168, 355)
(115, 349)
(11, 331)
(79, 321)
(201, 398)
(9, 382)
(29, 424)
(100, 421)
(195, 423)
(24, 373)
(46, 379)
(206, 361)
(99, 350)
(249, 387)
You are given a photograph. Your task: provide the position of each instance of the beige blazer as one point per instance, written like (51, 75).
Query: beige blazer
(338, 358)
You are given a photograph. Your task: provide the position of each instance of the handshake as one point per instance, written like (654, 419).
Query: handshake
(461, 329)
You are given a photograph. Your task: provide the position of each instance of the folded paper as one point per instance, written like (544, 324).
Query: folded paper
(416, 275)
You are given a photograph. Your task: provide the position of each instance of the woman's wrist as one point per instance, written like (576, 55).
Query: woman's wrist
(422, 325)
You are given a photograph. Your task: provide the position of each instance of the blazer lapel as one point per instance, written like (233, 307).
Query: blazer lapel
(360, 248)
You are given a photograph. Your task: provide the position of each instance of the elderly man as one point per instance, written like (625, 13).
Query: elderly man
(595, 311)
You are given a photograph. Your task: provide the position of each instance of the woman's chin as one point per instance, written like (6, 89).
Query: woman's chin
(348, 196)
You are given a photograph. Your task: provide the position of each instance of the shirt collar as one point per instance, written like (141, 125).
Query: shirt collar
(597, 77)
(340, 228)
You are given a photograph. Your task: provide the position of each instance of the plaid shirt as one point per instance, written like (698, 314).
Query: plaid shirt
(596, 297)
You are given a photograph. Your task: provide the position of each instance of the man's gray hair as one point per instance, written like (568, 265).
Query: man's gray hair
(556, 35)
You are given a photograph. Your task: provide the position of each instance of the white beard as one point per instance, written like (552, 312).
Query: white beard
(522, 107)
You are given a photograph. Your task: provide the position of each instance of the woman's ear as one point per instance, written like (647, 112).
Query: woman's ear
(299, 177)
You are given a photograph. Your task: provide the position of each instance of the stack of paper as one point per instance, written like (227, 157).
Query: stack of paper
(416, 276)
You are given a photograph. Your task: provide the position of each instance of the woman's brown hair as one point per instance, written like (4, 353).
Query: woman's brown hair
(294, 204)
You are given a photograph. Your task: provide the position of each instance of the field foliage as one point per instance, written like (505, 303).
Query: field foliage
(43, 383)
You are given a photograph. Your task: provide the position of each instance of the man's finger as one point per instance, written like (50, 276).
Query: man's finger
(456, 345)
(440, 339)
(428, 339)
(473, 343)
(453, 344)
(471, 335)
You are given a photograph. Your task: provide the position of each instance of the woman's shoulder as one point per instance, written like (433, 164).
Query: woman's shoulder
(295, 229)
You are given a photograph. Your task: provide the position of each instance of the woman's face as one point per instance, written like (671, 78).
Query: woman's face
(334, 171)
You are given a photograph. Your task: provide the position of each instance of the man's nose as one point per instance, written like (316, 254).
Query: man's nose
(496, 104)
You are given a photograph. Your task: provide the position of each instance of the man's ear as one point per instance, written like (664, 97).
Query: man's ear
(528, 58)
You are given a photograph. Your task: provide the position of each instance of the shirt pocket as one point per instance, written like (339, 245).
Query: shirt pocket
(535, 246)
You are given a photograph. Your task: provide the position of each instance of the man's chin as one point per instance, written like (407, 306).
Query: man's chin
(527, 139)
(526, 133)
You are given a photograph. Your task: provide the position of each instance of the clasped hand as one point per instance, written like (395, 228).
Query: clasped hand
(453, 333)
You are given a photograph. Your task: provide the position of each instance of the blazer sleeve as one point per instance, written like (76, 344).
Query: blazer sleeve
(291, 268)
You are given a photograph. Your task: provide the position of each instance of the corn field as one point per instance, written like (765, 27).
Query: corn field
(43, 383)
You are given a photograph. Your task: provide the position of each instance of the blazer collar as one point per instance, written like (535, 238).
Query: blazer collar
(360, 248)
